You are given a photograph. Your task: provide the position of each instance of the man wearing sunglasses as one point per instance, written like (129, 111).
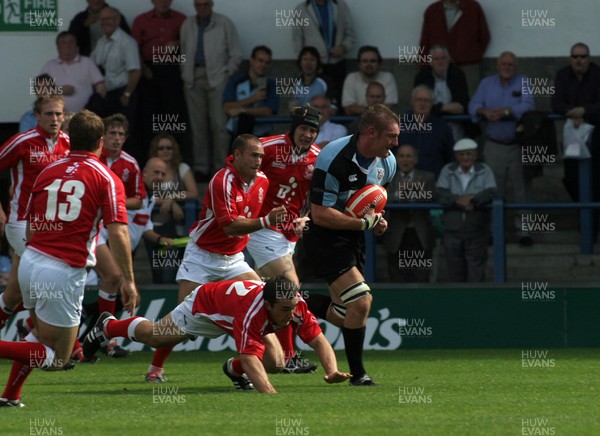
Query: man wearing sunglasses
(577, 96)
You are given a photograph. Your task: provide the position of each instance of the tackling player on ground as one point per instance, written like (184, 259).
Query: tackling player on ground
(335, 241)
(248, 310)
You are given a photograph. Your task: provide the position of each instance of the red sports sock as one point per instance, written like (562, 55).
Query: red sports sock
(76, 345)
(29, 323)
(286, 339)
(160, 356)
(29, 353)
(106, 302)
(236, 366)
(116, 329)
(16, 380)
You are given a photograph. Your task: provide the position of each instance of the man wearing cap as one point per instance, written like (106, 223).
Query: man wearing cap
(465, 188)
(288, 163)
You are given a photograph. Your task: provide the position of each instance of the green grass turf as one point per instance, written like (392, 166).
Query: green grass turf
(421, 392)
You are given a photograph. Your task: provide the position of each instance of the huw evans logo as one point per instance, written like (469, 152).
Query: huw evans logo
(537, 19)
(536, 291)
(413, 54)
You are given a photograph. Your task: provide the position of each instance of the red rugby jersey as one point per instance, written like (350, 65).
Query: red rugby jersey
(289, 177)
(128, 170)
(26, 155)
(226, 198)
(239, 309)
(67, 202)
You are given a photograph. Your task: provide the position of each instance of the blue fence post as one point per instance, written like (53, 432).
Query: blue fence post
(370, 250)
(586, 215)
(499, 242)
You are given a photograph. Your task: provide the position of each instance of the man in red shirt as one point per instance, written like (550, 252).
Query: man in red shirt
(26, 155)
(161, 87)
(231, 209)
(66, 204)
(247, 310)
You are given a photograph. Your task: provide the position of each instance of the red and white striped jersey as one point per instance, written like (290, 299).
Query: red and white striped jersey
(128, 170)
(26, 155)
(289, 177)
(239, 309)
(67, 201)
(226, 198)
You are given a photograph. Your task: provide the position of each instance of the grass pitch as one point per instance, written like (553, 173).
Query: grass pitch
(420, 392)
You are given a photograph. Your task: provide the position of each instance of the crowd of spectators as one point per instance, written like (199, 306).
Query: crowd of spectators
(108, 67)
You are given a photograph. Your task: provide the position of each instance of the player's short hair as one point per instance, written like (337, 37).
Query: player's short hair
(279, 288)
(47, 98)
(85, 129)
(242, 141)
(176, 160)
(116, 120)
(378, 116)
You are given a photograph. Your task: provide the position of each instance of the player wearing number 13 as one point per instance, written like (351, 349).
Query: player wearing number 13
(67, 201)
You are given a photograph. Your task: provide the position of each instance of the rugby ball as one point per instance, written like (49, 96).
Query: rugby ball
(360, 202)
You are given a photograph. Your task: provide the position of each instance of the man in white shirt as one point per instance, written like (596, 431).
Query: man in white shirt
(354, 99)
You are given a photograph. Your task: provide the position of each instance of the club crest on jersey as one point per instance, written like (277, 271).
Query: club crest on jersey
(380, 173)
(125, 175)
(308, 173)
(352, 178)
(71, 169)
(261, 194)
(239, 198)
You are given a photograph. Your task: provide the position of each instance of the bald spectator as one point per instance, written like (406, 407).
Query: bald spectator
(117, 55)
(355, 86)
(328, 131)
(375, 94)
(430, 135)
(330, 31)
(161, 89)
(86, 26)
(77, 75)
(449, 84)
